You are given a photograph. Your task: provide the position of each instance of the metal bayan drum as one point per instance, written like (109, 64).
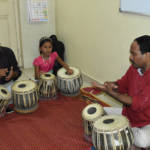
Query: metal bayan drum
(90, 114)
(4, 99)
(25, 96)
(47, 86)
(112, 132)
(69, 85)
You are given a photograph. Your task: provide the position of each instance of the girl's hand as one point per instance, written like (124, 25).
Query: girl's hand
(42, 72)
(39, 74)
(69, 71)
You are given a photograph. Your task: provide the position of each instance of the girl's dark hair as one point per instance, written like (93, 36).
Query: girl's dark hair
(43, 40)
(144, 43)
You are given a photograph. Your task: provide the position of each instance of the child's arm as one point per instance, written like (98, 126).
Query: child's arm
(36, 72)
(69, 71)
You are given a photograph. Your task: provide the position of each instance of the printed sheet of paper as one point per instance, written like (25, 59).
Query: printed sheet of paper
(37, 10)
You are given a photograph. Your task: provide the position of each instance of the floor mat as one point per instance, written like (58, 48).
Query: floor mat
(56, 125)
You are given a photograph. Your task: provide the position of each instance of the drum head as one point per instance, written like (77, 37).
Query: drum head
(24, 86)
(4, 93)
(92, 112)
(111, 123)
(62, 73)
(48, 76)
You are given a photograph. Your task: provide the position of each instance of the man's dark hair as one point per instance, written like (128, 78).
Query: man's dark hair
(144, 43)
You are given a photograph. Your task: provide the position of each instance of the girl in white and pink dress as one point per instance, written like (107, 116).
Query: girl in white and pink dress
(45, 62)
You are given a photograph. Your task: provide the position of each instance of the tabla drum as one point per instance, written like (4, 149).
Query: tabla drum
(69, 85)
(47, 86)
(112, 132)
(5, 97)
(90, 114)
(25, 96)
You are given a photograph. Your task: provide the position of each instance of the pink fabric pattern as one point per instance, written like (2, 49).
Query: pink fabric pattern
(45, 65)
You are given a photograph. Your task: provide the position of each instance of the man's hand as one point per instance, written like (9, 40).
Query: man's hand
(108, 87)
(10, 75)
(3, 72)
(113, 85)
(100, 86)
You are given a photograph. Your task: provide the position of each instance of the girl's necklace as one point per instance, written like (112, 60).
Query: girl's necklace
(46, 61)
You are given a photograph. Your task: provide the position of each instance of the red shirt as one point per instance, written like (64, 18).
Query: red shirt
(138, 87)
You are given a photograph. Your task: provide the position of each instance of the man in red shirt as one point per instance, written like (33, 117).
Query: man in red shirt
(133, 90)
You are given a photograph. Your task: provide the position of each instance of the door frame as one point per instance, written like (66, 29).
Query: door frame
(18, 33)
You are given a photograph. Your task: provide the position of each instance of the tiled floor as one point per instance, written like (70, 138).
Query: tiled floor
(29, 74)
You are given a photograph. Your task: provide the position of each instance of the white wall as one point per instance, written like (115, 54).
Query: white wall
(31, 33)
(97, 36)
